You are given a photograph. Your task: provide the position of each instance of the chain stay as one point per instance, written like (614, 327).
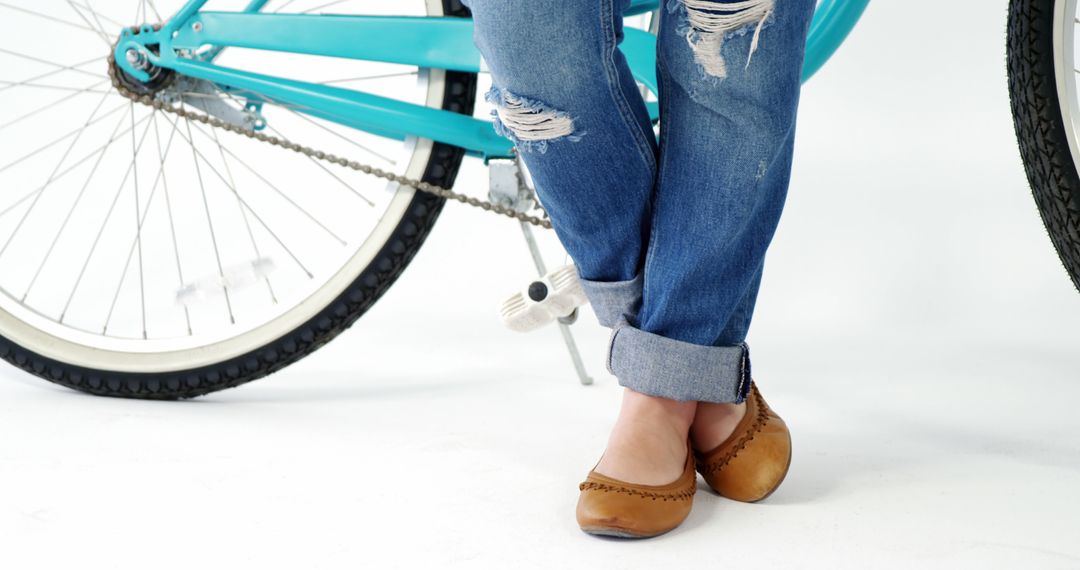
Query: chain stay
(214, 122)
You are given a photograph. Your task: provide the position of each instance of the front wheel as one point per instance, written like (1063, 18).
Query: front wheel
(1042, 70)
(144, 255)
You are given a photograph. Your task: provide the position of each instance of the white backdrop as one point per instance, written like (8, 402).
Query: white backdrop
(914, 327)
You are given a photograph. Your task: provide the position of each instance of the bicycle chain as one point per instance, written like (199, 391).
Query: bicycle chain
(310, 152)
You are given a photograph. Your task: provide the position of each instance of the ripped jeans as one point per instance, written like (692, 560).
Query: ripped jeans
(668, 237)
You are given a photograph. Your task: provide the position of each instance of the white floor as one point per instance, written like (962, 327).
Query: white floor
(915, 329)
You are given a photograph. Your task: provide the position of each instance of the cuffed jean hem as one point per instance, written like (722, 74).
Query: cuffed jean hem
(612, 300)
(660, 366)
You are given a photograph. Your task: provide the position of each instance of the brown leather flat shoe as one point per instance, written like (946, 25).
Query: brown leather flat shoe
(752, 462)
(610, 507)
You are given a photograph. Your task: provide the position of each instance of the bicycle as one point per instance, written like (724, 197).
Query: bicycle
(130, 268)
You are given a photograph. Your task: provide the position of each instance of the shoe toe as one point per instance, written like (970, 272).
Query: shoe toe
(753, 462)
(625, 513)
(611, 507)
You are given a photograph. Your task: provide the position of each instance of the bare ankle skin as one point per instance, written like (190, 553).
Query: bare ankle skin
(647, 445)
(713, 423)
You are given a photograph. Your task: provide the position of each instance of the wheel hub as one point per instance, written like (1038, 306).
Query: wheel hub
(159, 79)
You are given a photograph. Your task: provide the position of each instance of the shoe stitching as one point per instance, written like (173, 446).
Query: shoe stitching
(715, 466)
(672, 495)
(665, 495)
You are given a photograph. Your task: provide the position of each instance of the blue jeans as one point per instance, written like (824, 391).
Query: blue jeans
(668, 237)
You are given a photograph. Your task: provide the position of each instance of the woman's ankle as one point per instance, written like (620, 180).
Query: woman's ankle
(678, 414)
(714, 422)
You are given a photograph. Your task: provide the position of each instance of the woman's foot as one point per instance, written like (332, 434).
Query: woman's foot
(714, 423)
(647, 446)
(746, 463)
(644, 483)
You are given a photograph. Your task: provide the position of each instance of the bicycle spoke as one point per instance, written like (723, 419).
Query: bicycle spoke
(243, 213)
(48, 106)
(140, 220)
(154, 9)
(278, 191)
(209, 220)
(261, 99)
(59, 140)
(47, 17)
(169, 211)
(69, 169)
(98, 30)
(292, 108)
(326, 5)
(61, 66)
(101, 230)
(295, 107)
(71, 211)
(343, 137)
(239, 102)
(94, 14)
(48, 86)
(285, 5)
(66, 216)
(49, 181)
(258, 218)
(102, 16)
(325, 169)
(370, 77)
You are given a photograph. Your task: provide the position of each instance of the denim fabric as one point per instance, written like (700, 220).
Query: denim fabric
(669, 236)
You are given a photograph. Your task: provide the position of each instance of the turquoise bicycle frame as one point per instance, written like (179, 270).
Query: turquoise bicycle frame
(426, 42)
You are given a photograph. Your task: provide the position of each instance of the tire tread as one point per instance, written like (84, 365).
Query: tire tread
(385, 268)
(1040, 128)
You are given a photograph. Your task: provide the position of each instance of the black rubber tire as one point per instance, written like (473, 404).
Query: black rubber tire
(1040, 127)
(368, 287)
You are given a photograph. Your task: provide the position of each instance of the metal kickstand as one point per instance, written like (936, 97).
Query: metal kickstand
(509, 188)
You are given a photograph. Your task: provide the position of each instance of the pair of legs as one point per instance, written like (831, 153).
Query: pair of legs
(668, 236)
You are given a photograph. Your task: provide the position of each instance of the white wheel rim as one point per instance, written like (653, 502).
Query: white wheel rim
(22, 325)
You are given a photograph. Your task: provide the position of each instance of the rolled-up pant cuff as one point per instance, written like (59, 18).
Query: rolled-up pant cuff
(660, 366)
(612, 300)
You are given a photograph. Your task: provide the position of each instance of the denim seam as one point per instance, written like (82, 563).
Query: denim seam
(611, 343)
(744, 370)
(615, 86)
(738, 311)
(654, 229)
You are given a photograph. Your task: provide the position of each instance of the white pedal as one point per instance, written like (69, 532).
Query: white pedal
(553, 296)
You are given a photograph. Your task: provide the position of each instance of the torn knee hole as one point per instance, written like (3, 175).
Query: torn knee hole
(531, 124)
(708, 23)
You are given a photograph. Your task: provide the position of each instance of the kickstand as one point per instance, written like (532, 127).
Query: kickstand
(508, 187)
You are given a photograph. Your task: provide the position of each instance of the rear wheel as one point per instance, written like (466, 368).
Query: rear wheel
(146, 256)
(1042, 69)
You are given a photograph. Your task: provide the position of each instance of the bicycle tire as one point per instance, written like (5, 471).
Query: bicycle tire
(1040, 127)
(390, 261)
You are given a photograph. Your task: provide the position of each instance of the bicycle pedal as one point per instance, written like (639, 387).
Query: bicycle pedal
(554, 296)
